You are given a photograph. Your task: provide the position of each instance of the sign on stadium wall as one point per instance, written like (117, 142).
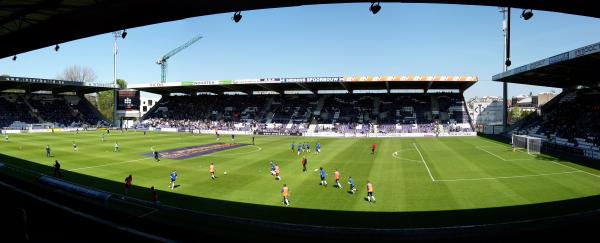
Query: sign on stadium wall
(586, 50)
(302, 80)
(409, 78)
(74, 188)
(583, 51)
(54, 82)
(248, 81)
(128, 100)
(436, 78)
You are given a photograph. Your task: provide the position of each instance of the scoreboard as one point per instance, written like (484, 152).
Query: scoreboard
(128, 100)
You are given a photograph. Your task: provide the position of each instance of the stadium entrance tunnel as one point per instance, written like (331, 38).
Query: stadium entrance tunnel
(182, 217)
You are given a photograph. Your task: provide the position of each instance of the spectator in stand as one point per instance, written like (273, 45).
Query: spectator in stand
(128, 182)
(57, 172)
(154, 196)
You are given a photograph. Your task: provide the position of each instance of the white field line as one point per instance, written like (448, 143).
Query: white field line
(498, 156)
(400, 158)
(406, 149)
(496, 144)
(570, 167)
(510, 177)
(148, 213)
(598, 176)
(423, 160)
(109, 164)
(227, 155)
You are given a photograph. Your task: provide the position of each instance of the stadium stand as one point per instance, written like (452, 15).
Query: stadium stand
(341, 113)
(58, 110)
(28, 101)
(14, 109)
(569, 122)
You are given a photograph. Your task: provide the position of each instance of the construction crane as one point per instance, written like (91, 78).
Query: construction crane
(162, 61)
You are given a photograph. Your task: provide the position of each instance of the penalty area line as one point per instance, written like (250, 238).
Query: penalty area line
(509, 177)
(597, 176)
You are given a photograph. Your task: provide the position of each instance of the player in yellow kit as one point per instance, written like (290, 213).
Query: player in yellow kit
(337, 175)
(285, 192)
(370, 196)
(211, 169)
(277, 172)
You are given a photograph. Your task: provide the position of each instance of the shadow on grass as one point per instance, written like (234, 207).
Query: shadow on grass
(330, 218)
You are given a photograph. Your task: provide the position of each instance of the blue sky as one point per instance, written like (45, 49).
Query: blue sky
(325, 40)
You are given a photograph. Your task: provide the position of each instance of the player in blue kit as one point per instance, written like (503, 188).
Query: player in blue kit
(323, 177)
(352, 185)
(173, 178)
(156, 156)
(272, 168)
(318, 148)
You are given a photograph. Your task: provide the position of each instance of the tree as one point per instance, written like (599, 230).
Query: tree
(515, 114)
(106, 100)
(106, 104)
(79, 74)
(122, 84)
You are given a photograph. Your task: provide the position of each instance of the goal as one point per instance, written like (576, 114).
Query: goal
(532, 144)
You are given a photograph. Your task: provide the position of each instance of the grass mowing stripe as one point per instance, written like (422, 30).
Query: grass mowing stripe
(110, 164)
(508, 177)
(425, 163)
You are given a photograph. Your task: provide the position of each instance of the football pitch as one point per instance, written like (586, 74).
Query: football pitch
(421, 174)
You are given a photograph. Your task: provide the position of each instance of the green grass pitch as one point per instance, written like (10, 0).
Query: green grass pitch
(424, 174)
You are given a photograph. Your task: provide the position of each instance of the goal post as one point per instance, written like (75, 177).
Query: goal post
(532, 144)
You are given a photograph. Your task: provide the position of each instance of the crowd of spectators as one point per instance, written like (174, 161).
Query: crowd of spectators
(348, 113)
(57, 110)
(574, 118)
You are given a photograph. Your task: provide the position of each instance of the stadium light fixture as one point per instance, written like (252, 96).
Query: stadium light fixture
(56, 47)
(237, 16)
(527, 14)
(375, 7)
(124, 34)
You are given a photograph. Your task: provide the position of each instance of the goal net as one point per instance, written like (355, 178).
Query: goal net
(532, 144)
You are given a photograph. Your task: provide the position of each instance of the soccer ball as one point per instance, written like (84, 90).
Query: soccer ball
(225, 172)
(395, 153)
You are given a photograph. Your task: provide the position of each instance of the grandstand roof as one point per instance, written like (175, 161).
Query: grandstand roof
(56, 86)
(312, 84)
(567, 69)
(26, 25)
